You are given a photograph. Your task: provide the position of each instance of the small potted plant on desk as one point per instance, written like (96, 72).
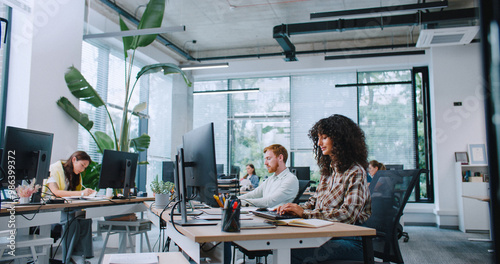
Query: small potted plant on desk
(161, 191)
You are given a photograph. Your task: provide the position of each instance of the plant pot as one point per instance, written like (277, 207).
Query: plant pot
(24, 200)
(161, 200)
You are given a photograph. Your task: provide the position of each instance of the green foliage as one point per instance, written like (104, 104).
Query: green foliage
(81, 88)
(90, 177)
(161, 187)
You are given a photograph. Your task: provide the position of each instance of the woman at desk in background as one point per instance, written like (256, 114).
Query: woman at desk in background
(373, 167)
(66, 180)
(342, 194)
(254, 179)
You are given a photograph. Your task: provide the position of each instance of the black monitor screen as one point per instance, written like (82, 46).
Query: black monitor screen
(394, 167)
(199, 163)
(26, 155)
(168, 171)
(115, 167)
(302, 173)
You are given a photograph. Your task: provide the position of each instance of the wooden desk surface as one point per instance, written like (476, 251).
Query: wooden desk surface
(212, 233)
(72, 204)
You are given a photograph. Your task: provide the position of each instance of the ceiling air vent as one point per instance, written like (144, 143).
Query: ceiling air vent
(446, 36)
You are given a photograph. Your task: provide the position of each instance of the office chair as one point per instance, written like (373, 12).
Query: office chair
(303, 184)
(390, 190)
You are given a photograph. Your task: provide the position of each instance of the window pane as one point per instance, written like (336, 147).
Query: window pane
(317, 94)
(212, 108)
(251, 136)
(386, 117)
(273, 99)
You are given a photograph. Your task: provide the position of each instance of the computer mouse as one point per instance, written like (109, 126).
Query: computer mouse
(262, 209)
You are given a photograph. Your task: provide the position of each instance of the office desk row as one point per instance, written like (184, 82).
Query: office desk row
(38, 215)
(189, 238)
(280, 240)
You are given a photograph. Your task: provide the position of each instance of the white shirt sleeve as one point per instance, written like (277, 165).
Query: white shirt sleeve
(275, 191)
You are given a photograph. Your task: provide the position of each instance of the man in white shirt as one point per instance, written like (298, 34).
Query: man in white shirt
(279, 188)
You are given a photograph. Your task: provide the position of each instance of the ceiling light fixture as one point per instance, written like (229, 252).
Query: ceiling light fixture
(247, 90)
(373, 55)
(382, 9)
(203, 66)
(136, 32)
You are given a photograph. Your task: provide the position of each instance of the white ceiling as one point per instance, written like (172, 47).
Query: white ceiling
(225, 29)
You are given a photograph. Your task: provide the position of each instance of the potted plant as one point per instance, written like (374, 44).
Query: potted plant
(161, 191)
(77, 84)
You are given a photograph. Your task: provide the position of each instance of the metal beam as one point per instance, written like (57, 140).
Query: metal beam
(374, 10)
(134, 20)
(282, 32)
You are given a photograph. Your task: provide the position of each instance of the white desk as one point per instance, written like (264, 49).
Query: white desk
(280, 240)
(163, 258)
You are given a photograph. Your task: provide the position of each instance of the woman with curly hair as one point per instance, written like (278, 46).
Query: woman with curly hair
(342, 194)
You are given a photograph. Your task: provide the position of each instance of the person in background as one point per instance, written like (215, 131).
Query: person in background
(279, 188)
(342, 194)
(66, 180)
(254, 179)
(373, 167)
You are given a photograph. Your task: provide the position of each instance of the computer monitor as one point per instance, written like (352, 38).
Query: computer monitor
(196, 170)
(168, 171)
(302, 173)
(26, 156)
(394, 167)
(118, 170)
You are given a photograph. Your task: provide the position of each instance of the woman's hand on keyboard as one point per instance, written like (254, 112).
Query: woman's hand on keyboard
(290, 208)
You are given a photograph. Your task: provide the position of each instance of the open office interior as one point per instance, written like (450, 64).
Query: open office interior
(45, 41)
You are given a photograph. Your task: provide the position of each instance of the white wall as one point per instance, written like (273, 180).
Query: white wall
(44, 45)
(456, 76)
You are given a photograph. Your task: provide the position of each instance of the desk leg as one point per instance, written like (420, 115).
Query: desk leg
(368, 256)
(227, 253)
(282, 255)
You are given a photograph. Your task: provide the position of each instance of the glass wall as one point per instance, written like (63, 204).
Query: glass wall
(285, 108)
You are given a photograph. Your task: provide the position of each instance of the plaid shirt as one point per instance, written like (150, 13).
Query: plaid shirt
(341, 198)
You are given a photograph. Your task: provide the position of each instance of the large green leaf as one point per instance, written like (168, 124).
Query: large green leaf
(127, 41)
(90, 177)
(166, 68)
(104, 141)
(70, 109)
(80, 88)
(152, 18)
(140, 143)
(139, 107)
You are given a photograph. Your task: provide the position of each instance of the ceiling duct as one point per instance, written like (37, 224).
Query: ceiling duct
(446, 36)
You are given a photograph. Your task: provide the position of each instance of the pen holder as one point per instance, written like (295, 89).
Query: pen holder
(231, 216)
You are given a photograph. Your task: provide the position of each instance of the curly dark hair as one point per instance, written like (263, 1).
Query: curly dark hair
(349, 145)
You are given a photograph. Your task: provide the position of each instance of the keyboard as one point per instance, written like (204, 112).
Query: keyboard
(272, 215)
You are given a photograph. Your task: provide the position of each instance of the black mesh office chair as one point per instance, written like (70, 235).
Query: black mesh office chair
(390, 190)
(303, 184)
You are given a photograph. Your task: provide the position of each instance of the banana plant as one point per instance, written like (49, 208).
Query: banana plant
(81, 89)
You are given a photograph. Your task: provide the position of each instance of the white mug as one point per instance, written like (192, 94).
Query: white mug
(109, 192)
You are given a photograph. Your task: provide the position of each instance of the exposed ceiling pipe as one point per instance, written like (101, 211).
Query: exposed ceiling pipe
(135, 21)
(283, 32)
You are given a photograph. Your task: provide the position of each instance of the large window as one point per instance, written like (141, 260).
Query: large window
(103, 67)
(390, 106)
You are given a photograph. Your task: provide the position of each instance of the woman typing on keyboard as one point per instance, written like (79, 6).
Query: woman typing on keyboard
(342, 194)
